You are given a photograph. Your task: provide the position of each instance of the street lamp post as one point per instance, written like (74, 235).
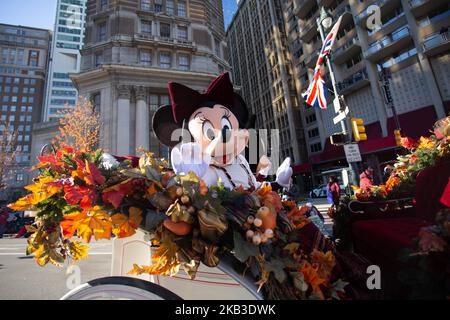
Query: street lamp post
(324, 22)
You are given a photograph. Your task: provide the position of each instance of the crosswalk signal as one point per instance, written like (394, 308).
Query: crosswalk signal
(398, 137)
(359, 131)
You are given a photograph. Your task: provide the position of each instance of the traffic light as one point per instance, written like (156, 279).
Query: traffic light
(398, 137)
(359, 131)
(338, 139)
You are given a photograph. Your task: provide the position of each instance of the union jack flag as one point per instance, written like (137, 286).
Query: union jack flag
(316, 95)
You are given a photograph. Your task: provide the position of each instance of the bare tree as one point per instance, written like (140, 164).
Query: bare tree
(8, 151)
(79, 127)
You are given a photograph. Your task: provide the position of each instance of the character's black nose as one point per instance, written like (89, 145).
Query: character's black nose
(226, 134)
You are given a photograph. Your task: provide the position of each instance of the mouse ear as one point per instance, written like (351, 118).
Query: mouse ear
(240, 110)
(164, 126)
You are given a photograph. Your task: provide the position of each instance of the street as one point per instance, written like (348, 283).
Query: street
(22, 279)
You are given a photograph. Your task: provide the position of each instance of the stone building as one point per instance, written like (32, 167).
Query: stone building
(132, 49)
(23, 65)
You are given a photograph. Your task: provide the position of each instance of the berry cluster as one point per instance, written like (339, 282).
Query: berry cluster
(260, 228)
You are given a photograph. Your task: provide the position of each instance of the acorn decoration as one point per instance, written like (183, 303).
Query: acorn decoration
(180, 213)
(264, 222)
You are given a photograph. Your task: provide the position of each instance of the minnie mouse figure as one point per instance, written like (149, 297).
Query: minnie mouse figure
(218, 122)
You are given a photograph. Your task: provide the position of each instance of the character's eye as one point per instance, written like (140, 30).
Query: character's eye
(225, 124)
(208, 130)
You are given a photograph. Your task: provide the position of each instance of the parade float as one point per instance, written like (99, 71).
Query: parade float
(194, 212)
(94, 196)
(404, 225)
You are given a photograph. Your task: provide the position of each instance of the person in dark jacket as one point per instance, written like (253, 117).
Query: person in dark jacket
(4, 215)
(333, 191)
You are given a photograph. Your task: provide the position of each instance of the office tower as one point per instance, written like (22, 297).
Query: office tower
(65, 58)
(411, 41)
(262, 67)
(23, 66)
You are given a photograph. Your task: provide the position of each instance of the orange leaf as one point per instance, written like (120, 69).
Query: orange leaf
(125, 226)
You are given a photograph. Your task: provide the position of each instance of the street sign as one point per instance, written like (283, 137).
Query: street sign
(341, 116)
(352, 152)
(337, 105)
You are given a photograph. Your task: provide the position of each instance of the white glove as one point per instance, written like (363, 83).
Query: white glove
(264, 166)
(189, 157)
(284, 173)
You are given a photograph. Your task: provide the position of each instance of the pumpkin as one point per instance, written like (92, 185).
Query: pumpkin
(179, 228)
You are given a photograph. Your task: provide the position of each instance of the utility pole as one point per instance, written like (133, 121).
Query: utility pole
(385, 76)
(325, 20)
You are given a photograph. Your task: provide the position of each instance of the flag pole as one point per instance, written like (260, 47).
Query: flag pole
(344, 122)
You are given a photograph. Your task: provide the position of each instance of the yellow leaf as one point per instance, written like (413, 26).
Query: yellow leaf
(22, 204)
(125, 226)
(78, 250)
(97, 223)
(166, 262)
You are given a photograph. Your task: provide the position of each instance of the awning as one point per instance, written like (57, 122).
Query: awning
(414, 124)
(302, 168)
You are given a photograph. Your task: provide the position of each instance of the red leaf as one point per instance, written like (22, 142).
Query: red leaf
(95, 173)
(74, 194)
(114, 197)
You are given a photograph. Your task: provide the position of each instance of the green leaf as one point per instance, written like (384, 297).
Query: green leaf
(243, 249)
(161, 201)
(153, 219)
(277, 267)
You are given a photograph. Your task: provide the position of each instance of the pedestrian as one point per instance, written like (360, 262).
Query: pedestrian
(333, 191)
(366, 178)
(4, 215)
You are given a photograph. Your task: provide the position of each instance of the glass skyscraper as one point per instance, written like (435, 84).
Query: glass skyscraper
(65, 57)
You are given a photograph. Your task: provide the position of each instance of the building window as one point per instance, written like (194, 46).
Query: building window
(158, 7)
(146, 27)
(21, 57)
(217, 47)
(101, 32)
(164, 30)
(313, 133)
(183, 62)
(103, 4)
(19, 177)
(98, 59)
(146, 5)
(33, 58)
(165, 60)
(145, 57)
(169, 7)
(182, 33)
(181, 9)
(96, 101)
(316, 147)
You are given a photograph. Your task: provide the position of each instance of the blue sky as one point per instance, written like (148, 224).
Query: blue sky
(41, 13)
(229, 8)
